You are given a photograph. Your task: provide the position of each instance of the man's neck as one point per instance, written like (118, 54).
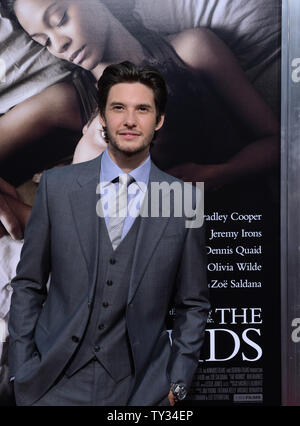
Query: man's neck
(128, 162)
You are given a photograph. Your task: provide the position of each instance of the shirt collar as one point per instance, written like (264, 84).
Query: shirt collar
(110, 171)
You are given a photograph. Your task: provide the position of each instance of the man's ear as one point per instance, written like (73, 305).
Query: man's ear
(160, 122)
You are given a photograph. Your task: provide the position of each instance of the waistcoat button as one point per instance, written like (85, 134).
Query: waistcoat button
(109, 282)
(112, 261)
(105, 304)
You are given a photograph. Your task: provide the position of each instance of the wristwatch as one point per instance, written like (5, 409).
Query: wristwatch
(179, 391)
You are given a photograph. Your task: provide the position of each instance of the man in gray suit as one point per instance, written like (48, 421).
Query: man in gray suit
(98, 335)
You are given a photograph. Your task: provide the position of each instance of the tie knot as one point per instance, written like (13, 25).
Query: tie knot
(125, 179)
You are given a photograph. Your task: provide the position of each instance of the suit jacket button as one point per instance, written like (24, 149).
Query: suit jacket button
(75, 339)
(109, 282)
(97, 348)
(112, 261)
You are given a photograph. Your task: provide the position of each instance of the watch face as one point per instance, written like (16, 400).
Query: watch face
(179, 391)
(182, 393)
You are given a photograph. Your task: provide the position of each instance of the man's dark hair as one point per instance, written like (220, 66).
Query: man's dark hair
(127, 72)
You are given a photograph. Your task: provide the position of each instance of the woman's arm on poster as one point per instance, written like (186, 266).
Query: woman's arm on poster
(220, 67)
(56, 106)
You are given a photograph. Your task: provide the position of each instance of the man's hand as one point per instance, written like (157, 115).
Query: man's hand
(171, 398)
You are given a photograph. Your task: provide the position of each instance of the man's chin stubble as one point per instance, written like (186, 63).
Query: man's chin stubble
(128, 153)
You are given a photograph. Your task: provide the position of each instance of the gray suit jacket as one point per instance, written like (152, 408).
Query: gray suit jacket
(61, 238)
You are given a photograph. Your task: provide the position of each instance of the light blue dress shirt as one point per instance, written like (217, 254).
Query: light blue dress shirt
(136, 190)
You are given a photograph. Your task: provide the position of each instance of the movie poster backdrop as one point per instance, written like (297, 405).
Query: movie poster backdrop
(206, 128)
(290, 202)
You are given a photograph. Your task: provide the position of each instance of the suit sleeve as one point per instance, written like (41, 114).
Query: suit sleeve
(29, 284)
(191, 306)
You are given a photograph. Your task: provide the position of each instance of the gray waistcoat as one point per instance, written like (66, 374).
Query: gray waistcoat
(106, 335)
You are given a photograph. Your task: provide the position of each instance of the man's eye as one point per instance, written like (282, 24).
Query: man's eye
(118, 107)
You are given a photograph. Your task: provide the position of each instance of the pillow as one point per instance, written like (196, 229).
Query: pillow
(25, 67)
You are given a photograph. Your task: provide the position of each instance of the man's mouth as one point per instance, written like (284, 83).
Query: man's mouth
(78, 56)
(129, 135)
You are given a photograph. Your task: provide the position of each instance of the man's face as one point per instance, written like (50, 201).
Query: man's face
(130, 118)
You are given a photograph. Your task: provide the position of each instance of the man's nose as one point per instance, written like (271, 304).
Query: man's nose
(60, 44)
(130, 119)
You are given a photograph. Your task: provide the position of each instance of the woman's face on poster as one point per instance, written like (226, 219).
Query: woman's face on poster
(74, 30)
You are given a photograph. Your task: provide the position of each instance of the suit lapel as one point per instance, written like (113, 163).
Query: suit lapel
(149, 234)
(83, 201)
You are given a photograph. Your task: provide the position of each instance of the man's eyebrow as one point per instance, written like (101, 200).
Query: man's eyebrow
(116, 103)
(144, 106)
(45, 17)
